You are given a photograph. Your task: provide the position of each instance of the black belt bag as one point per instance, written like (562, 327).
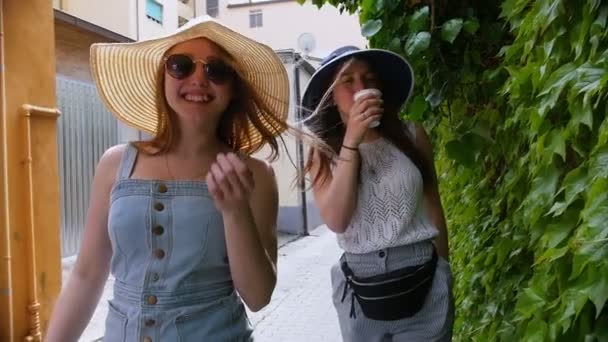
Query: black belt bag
(391, 296)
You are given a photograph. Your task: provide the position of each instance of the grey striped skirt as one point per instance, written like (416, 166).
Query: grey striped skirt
(432, 323)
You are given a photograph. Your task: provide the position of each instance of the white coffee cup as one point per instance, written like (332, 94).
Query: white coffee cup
(375, 92)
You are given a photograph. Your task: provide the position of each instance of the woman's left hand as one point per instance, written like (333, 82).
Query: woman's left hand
(230, 183)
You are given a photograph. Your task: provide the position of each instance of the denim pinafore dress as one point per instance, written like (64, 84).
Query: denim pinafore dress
(169, 261)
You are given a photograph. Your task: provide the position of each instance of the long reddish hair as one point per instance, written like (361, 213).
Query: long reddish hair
(245, 114)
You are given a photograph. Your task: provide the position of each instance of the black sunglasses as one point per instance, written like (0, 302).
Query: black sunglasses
(180, 66)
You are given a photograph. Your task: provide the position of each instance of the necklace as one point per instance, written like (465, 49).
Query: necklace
(197, 177)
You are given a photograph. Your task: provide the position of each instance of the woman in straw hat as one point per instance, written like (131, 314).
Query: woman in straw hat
(186, 220)
(378, 191)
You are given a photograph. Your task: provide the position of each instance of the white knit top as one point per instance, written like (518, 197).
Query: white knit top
(390, 210)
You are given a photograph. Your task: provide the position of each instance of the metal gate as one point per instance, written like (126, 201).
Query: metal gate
(85, 130)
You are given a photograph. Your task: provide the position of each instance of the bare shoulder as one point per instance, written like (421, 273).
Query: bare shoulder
(262, 170)
(113, 155)
(110, 162)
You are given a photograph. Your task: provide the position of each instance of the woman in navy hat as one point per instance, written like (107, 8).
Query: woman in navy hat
(377, 190)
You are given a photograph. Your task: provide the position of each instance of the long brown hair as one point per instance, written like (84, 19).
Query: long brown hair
(326, 123)
(245, 114)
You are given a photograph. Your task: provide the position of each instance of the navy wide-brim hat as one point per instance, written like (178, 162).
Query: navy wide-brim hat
(395, 73)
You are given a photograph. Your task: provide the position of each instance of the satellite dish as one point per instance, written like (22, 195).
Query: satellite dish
(306, 43)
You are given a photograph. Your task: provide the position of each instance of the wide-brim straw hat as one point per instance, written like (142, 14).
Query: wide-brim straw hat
(126, 73)
(395, 73)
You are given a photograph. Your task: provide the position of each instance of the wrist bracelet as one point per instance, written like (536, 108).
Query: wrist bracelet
(350, 148)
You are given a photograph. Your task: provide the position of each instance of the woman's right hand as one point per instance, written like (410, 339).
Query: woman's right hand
(364, 111)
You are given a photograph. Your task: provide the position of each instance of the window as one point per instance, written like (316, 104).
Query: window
(154, 11)
(255, 18)
(213, 8)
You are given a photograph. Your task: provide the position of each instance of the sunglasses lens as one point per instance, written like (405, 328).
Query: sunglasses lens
(179, 66)
(218, 71)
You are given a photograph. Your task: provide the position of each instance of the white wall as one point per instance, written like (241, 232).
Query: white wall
(125, 17)
(185, 10)
(284, 170)
(283, 22)
(150, 29)
(114, 15)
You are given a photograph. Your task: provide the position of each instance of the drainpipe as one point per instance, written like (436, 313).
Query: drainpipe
(29, 112)
(300, 145)
(136, 20)
(6, 291)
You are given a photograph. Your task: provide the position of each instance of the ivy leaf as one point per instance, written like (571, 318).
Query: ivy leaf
(594, 285)
(579, 263)
(574, 183)
(548, 47)
(483, 130)
(552, 254)
(595, 213)
(371, 27)
(578, 34)
(602, 135)
(599, 25)
(557, 209)
(471, 25)
(502, 250)
(581, 113)
(460, 152)
(544, 185)
(379, 6)
(418, 21)
(450, 29)
(549, 11)
(588, 246)
(541, 194)
(466, 149)
(572, 302)
(512, 8)
(557, 232)
(417, 108)
(417, 43)
(537, 330)
(554, 86)
(597, 290)
(599, 163)
(371, 8)
(557, 144)
(529, 302)
(395, 45)
(589, 78)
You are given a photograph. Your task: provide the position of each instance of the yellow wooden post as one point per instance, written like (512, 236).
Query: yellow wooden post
(30, 272)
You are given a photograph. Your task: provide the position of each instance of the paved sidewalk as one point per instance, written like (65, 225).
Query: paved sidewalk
(301, 308)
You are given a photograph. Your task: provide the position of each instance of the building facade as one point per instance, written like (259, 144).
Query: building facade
(285, 24)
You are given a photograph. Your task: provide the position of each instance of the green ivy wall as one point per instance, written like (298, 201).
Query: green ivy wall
(514, 94)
